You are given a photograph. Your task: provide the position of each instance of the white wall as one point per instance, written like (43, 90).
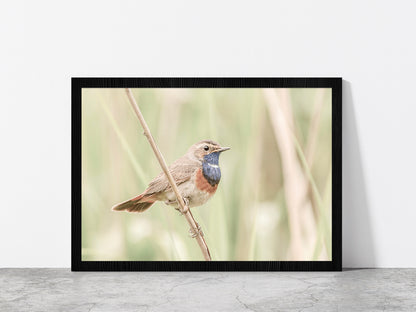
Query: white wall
(369, 43)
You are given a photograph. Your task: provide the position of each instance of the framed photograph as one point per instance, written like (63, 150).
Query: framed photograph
(206, 174)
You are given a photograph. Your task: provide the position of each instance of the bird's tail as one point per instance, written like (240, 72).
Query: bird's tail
(136, 204)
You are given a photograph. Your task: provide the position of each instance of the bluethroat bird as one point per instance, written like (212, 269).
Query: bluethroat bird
(197, 174)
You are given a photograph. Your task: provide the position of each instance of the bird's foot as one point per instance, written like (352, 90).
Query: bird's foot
(183, 211)
(195, 232)
(178, 207)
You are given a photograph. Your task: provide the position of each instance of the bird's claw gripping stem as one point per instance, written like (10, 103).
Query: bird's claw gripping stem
(195, 232)
(186, 201)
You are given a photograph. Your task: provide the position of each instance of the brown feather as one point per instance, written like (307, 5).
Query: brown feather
(137, 204)
(182, 170)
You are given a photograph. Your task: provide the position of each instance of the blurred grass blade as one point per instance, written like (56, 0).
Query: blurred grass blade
(317, 196)
(125, 145)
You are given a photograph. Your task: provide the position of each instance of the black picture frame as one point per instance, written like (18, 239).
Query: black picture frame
(334, 83)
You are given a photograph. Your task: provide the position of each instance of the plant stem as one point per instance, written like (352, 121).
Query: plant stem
(185, 210)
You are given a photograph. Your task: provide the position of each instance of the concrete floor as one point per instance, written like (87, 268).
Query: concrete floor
(352, 290)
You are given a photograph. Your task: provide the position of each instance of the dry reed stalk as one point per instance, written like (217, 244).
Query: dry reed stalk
(314, 126)
(185, 210)
(296, 185)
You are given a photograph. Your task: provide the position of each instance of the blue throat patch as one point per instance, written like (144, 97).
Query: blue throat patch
(211, 169)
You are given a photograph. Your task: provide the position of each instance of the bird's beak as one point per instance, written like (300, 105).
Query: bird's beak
(223, 149)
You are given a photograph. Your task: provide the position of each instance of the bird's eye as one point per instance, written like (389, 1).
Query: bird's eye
(206, 147)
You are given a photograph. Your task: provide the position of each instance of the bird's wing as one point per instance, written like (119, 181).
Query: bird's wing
(182, 170)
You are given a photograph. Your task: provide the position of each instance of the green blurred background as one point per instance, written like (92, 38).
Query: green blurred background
(274, 198)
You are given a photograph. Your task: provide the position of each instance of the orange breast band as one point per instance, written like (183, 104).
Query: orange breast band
(202, 183)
